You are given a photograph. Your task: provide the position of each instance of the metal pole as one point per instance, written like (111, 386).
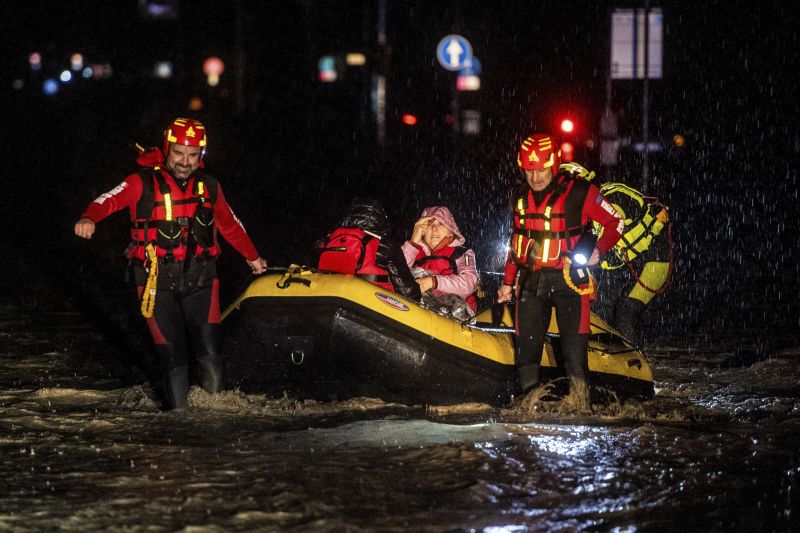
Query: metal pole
(380, 77)
(645, 98)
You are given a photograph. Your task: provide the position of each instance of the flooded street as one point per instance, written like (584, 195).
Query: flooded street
(85, 447)
(295, 109)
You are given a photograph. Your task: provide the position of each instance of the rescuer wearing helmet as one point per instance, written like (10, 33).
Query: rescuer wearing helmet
(552, 216)
(645, 249)
(176, 211)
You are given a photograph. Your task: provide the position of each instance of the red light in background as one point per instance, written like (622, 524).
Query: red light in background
(567, 152)
(409, 119)
(213, 66)
(327, 76)
(567, 126)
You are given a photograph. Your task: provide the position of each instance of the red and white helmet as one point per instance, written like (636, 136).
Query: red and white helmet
(539, 151)
(185, 131)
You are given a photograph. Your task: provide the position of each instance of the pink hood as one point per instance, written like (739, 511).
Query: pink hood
(445, 217)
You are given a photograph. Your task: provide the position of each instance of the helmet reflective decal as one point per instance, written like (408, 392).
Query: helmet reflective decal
(185, 131)
(538, 151)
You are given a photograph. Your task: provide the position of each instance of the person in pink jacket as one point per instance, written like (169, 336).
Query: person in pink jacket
(436, 245)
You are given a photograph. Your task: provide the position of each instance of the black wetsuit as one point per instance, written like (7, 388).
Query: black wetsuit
(186, 314)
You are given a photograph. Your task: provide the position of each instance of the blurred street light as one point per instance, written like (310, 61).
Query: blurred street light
(213, 67)
(163, 70)
(50, 86)
(76, 62)
(35, 60)
(355, 59)
(327, 69)
(468, 83)
(409, 119)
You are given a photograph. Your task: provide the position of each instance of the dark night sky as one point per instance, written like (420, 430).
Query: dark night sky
(300, 150)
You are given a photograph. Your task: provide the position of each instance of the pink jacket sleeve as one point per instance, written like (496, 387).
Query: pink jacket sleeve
(410, 251)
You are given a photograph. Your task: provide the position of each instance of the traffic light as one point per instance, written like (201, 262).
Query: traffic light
(409, 119)
(568, 133)
(567, 152)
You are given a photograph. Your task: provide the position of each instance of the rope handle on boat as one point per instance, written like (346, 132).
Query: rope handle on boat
(294, 274)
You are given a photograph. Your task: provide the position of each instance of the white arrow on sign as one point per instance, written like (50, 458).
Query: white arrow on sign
(454, 51)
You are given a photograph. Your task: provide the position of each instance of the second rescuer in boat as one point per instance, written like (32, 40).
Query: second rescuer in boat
(361, 246)
(552, 215)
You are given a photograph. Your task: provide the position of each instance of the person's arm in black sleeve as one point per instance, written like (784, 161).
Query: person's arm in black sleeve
(390, 256)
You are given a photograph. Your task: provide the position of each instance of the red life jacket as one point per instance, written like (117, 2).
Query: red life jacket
(444, 263)
(353, 251)
(545, 233)
(179, 223)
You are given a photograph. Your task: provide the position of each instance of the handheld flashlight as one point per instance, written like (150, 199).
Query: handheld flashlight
(583, 250)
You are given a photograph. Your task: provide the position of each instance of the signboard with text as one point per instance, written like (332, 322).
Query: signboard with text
(628, 44)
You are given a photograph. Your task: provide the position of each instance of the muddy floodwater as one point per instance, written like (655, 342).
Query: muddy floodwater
(85, 448)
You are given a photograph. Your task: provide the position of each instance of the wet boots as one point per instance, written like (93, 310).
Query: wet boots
(176, 387)
(627, 317)
(528, 377)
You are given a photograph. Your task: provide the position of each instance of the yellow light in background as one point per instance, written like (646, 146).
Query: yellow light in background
(195, 104)
(355, 59)
(213, 80)
(679, 140)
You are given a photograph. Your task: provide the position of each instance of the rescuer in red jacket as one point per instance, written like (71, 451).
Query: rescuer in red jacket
(552, 219)
(176, 210)
(361, 246)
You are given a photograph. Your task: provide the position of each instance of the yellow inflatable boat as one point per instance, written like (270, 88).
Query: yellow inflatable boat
(331, 336)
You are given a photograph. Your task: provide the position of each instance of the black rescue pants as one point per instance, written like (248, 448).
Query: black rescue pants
(542, 291)
(185, 320)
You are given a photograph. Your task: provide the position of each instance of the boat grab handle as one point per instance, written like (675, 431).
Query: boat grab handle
(293, 275)
(285, 282)
(294, 355)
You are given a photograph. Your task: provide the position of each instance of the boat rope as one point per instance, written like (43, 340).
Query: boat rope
(292, 275)
(149, 293)
(568, 279)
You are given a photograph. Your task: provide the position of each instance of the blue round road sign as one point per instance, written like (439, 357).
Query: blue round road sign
(454, 52)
